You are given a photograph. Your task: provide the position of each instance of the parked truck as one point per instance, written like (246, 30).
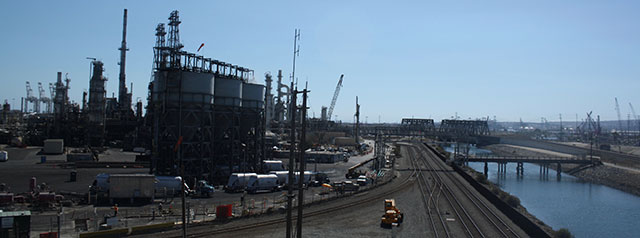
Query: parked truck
(132, 187)
(169, 186)
(203, 189)
(123, 187)
(263, 182)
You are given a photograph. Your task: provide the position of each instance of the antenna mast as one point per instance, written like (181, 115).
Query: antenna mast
(124, 99)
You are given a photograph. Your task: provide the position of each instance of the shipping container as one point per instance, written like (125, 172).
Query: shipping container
(135, 187)
(53, 146)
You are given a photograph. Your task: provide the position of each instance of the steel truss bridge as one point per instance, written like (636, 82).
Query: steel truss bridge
(448, 129)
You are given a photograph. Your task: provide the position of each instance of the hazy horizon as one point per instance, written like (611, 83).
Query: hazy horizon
(417, 59)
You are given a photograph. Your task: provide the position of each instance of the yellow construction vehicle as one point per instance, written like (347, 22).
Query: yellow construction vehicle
(392, 215)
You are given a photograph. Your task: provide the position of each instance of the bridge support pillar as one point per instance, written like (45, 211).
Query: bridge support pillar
(486, 168)
(519, 168)
(546, 169)
(559, 170)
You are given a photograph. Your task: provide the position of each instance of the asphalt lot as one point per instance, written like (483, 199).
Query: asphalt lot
(25, 163)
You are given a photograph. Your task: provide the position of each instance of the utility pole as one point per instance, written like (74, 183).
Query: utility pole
(123, 100)
(292, 111)
(292, 143)
(302, 159)
(179, 150)
(357, 123)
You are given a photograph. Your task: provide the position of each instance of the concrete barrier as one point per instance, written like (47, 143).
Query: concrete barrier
(136, 230)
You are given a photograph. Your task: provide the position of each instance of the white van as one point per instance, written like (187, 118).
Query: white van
(282, 176)
(238, 181)
(4, 156)
(262, 182)
(272, 165)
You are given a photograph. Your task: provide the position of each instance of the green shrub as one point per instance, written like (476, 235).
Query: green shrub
(563, 233)
(496, 190)
(481, 178)
(513, 201)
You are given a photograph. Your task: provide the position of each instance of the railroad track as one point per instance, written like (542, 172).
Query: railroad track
(471, 228)
(363, 199)
(430, 195)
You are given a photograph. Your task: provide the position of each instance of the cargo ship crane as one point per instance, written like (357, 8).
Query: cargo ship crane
(619, 117)
(335, 97)
(635, 116)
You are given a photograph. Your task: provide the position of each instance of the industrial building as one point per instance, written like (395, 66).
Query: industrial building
(207, 119)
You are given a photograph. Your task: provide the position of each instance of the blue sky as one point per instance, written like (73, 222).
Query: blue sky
(509, 59)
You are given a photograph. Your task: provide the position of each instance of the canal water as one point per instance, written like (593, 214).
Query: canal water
(587, 210)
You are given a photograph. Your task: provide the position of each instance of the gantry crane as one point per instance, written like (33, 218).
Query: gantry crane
(335, 97)
(619, 117)
(31, 99)
(635, 116)
(44, 99)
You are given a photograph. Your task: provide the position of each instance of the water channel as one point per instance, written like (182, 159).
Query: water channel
(586, 209)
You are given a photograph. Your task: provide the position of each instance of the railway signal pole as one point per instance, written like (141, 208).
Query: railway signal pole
(302, 161)
(292, 116)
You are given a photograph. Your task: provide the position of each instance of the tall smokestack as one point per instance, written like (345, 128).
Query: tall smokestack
(123, 100)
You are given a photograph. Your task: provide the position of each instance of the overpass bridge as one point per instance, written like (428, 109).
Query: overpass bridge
(543, 161)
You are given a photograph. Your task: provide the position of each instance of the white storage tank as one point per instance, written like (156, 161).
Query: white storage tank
(252, 95)
(196, 87)
(228, 92)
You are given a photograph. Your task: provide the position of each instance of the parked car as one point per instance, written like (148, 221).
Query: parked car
(4, 156)
(319, 179)
(362, 180)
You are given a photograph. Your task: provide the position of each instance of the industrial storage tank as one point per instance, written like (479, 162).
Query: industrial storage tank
(253, 95)
(228, 92)
(196, 87)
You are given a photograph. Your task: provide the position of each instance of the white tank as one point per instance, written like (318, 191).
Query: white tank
(228, 92)
(252, 95)
(196, 87)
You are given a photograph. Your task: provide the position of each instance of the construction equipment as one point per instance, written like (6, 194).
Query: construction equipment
(335, 97)
(44, 99)
(619, 117)
(635, 116)
(31, 99)
(392, 215)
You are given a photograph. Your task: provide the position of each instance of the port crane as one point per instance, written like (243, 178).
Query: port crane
(619, 117)
(31, 99)
(635, 116)
(335, 97)
(43, 98)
